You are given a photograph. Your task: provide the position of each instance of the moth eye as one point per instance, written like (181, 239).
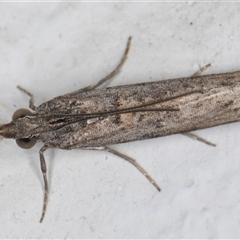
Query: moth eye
(22, 112)
(26, 143)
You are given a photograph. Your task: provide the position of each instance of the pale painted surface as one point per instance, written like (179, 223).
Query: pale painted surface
(56, 48)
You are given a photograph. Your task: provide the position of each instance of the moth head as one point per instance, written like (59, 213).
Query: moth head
(6, 130)
(25, 143)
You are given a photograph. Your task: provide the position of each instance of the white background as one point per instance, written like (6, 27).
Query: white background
(55, 48)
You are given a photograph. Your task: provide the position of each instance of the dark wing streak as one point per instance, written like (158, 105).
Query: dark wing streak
(81, 119)
(127, 110)
(67, 119)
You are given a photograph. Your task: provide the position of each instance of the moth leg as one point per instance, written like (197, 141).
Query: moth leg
(202, 69)
(129, 159)
(191, 135)
(114, 72)
(44, 173)
(31, 100)
(195, 137)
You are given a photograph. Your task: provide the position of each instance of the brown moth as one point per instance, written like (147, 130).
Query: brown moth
(93, 119)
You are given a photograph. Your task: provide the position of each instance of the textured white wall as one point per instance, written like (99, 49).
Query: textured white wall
(55, 48)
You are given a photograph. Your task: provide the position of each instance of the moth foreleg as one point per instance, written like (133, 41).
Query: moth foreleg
(129, 159)
(31, 100)
(114, 72)
(44, 173)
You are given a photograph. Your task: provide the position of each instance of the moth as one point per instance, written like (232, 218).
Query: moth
(93, 118)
